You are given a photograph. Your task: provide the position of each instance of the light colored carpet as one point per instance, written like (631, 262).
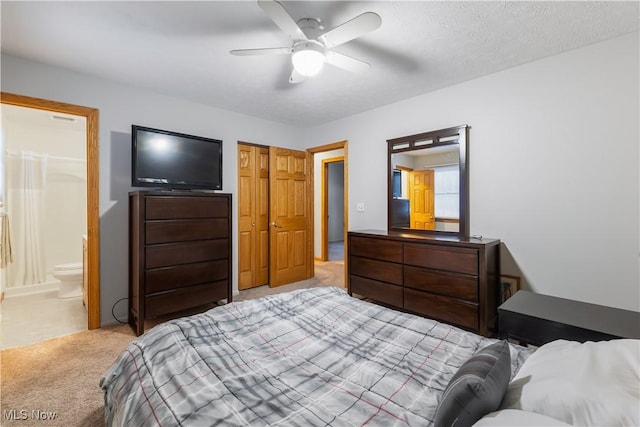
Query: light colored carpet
(61, 375)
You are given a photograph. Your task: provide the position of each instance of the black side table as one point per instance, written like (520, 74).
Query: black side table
(538, 319)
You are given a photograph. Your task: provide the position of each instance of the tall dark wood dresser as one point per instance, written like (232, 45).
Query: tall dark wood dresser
(180, 252)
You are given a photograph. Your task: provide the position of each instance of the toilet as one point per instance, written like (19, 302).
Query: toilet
(70, 277)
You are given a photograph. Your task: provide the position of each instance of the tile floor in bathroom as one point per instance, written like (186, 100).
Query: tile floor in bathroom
(29, 319)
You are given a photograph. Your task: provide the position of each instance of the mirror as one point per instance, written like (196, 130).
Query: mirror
(428, 182)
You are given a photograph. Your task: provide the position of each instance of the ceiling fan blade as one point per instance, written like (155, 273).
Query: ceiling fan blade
(279, 15)
(263, 51)
(352, 29)
(346, 62)
(296, 77)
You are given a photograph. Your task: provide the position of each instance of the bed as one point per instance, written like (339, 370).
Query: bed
(320, 357)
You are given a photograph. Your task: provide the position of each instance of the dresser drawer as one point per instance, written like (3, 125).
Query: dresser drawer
(446, 309)
(180, 276)
(184, 253)
(386, 250)
(185, 229)
(185, 207)
(375, 269)
(459, 260)
(448, 284)
(379, 291)
(181, 299)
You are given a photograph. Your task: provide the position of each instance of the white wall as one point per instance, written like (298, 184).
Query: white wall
(553, 160)
(121, 106)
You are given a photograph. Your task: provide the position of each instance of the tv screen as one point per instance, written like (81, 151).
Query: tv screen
(167, 159)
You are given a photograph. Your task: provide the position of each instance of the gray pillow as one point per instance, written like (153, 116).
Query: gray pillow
(477, 388)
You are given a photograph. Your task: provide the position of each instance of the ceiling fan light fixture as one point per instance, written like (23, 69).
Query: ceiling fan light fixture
(311, 49)
(308, 57)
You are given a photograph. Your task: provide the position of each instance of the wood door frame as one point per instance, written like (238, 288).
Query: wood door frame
(328, 147)
(324, 205)
(93, 212)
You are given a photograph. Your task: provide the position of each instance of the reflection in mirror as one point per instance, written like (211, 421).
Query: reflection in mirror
(428, 182)
(428, 179)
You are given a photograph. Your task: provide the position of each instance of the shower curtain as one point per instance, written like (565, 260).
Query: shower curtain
(26, 183)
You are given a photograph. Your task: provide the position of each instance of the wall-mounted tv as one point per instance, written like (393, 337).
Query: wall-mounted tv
(172, 160)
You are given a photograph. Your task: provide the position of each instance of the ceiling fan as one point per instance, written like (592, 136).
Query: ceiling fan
(311, 48)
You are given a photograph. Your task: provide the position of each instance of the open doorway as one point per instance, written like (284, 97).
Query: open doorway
(332, 208)
(91, 250)
(43, 208)
(330, 215)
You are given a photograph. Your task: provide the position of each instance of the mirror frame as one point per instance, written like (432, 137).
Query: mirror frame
(442, 137)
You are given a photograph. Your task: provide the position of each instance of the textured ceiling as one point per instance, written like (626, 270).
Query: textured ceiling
(181, 48)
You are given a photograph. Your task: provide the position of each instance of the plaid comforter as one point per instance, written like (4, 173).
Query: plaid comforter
(312, 357)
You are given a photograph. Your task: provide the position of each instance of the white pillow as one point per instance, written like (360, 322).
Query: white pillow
(515, 417)
(590, 384)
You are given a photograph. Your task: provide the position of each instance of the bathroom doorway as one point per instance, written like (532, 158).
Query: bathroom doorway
(90, 249)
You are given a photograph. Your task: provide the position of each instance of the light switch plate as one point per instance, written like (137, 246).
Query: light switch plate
(360, 207)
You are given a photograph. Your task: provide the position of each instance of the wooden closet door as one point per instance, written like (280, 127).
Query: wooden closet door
(253, 216)
(262, 216)
(290, 202)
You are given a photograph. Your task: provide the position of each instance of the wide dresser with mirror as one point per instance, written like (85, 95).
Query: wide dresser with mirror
(451, 279)
(426, 262)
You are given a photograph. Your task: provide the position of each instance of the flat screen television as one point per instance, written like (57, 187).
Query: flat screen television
(172, 160)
